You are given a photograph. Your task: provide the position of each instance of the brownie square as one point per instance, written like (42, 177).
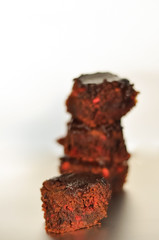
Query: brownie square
(118, 181)
(100, 98)
(114, 173)
(104, 143)
(73, 201)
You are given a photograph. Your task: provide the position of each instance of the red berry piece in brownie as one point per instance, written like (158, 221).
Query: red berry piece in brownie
(104, 143)
(100, 98)
(74, 201)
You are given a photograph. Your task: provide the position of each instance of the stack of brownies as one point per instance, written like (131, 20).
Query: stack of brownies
(94, 141)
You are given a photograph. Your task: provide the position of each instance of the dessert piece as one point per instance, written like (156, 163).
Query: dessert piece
(114, 173)
(73, 201)
(100, 98)
(104, 143)
(118, 181)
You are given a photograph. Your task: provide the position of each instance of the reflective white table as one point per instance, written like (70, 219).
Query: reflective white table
(132, 215)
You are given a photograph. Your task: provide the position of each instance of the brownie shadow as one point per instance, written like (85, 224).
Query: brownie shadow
(106, 229)
(82, 234)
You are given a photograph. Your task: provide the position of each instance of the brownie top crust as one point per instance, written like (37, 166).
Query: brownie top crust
(99, 77)
(74, 182)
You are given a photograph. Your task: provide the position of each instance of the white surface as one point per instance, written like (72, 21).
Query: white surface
(133, 215)
(43, 45)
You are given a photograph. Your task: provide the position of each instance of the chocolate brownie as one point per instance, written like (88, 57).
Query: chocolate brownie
(118, 181)
(100, 98)
(101, 144)
(73, 201)
(114, 173)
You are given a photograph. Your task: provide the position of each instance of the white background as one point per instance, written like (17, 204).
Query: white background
(43, 46)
